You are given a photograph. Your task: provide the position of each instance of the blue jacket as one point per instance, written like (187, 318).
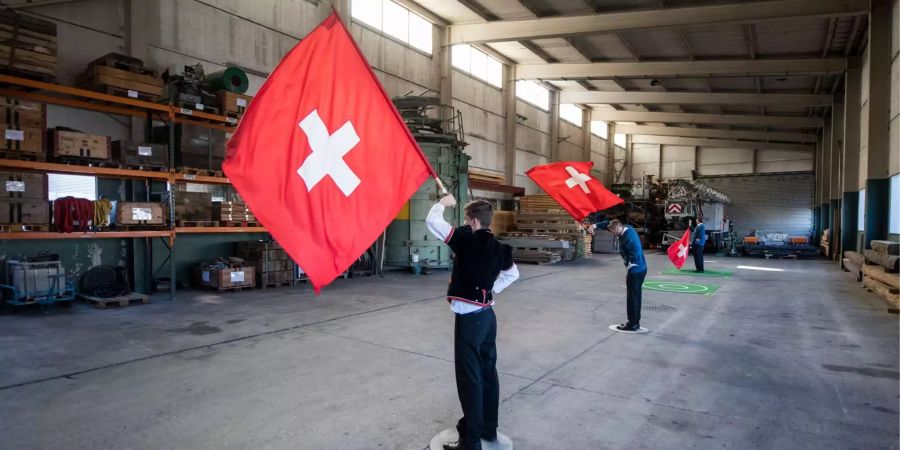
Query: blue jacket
(630, 248)
(699, 235)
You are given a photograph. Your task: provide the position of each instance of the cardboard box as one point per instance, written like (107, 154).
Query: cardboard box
(232, 103)
(64, 143)
(23, 211)
(225, 278)
(22, 139)
(141, 153)
(21, 185)
(140, 213)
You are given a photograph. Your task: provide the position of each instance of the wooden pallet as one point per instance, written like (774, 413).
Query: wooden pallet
(22, 228)
(90, 162)
(193, 107)
(22, 156)
(236, 224)
(124, 300)
(275, 284)
(231, 289)
(199, 172)
(196, 223)
(146, 168)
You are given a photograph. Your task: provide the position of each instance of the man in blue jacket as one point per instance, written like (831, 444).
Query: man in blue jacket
(631, 251)
(698, 238)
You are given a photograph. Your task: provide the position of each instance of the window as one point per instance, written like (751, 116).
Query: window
(477, 63)
(620, 140)
(395, 21)
(571, 113)
(861, 212)
(533, 93)
(894, 206)
(600, 128)
(80, 186)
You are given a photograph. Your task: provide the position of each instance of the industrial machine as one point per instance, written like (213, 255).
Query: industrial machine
(39, 280)
(438, 130)
(686, 199)
(185, 88)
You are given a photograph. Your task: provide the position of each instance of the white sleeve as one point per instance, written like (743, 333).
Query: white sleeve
(436, 223)
(506, 278)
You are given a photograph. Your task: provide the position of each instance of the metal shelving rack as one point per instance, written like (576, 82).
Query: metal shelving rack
(56, 94)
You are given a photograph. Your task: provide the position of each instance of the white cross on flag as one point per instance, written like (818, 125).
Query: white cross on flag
(322, 157)
(679, 250)
(572, 186)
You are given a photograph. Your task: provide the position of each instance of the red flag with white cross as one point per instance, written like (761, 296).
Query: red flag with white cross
(679, 250)
(321, 155)
(572, 186)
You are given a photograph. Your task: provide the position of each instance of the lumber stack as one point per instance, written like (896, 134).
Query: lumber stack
(503, 222)
(232, 212)
(853, 263)
(880, 271)
(824, 243)
(540, 215)
(486, 176)
(272, 264)
(537, 249)
(27, 46)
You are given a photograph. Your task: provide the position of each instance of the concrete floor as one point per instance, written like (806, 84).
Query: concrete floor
(796, 359)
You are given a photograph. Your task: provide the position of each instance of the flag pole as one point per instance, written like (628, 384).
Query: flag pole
(440, 184)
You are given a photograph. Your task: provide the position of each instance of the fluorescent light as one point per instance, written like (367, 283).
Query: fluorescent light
(765, 269)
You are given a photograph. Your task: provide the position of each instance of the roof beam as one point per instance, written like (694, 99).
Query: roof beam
(679, 69)
(715, 133)
(719, 143)
(749, 12)
(694, 118)
(692, 98)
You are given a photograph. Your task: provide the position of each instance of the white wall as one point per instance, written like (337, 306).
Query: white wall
(895, 91)
(484, 121)
(532, 142)
(598, 156)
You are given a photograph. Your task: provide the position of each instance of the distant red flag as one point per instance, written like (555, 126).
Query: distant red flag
(572, 186)
(321, 155)
(679, 250)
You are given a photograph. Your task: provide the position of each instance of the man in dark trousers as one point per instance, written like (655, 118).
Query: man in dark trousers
(698, 240)
(482, 267)
(636, 266)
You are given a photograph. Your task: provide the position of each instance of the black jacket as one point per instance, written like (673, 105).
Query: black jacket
(479, 259)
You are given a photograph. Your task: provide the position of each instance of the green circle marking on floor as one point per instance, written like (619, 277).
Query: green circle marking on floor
(680, 288)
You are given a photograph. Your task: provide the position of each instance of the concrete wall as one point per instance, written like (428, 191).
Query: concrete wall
(484, 121)
(895, 98)
(532, 142)
(571, 145)
(598, 156)
(678, 161)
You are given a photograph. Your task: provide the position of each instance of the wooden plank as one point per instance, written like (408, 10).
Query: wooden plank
(886, 247)
(857, 258)
(879, 273)
(854, 268)
(883, 291)
(28, 55)
(889, 262)
(6, 33)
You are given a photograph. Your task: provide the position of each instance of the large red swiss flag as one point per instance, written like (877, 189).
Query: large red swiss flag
(321, 155)
(679, 250)
(570, 183)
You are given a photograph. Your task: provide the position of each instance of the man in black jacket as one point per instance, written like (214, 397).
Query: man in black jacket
(482, 267)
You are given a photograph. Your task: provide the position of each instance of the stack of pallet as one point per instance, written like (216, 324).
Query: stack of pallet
(233, 213)
(486, 176)
(27, 46)
(880, 271)
(193, 209)
(272, 264)
(23, 202)
(121, 75)
(823, 244)
(537, 249)
(540, 215)
(24, 125)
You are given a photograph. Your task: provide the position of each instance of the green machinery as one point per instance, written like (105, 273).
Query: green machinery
(438, 131)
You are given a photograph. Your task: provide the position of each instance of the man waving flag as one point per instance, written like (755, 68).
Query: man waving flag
(321, 155)
(572, 186)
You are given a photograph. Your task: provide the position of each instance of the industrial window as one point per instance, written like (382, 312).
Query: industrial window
(600, 128)
(571, 113)
(477, 63)
(80, 186)
(619, 140)
(861, 211)
(533, 93)
(395, 21)
(894, 208)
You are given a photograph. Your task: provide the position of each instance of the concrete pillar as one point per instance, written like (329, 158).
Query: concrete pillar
(509, 100)
(659, 152)
(554, 125)
(610, 154)
(850, 156)
(837, 143)
(586, 133)
(817, 200)
(627, 176)
(878, 180)
(824, 178)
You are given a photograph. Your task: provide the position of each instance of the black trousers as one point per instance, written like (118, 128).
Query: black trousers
(698, 257)
(475, 357)
(633, 283)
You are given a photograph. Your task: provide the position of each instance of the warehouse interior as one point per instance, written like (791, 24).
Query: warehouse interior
(170, 318)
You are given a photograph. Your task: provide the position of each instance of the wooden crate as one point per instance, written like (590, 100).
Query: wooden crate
(27, 46)
(20, 185)
(232, 104)
(65, 143)
(193, 206)
(140, 213)
(24, 211)
(129, 84)
(24, 140)
(140, 154)
(228, 278)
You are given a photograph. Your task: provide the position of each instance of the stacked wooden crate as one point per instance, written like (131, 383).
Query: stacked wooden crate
(233, 213)
(880, 273)
(193, 209)
(27, 46)
(73, 146)
(121, 75)
(225, 278)
(272, 264)
(23, 202)
(24, 125)
(541, 217)
(144, 214)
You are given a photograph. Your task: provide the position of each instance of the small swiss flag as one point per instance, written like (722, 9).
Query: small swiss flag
(679, 250)
(572, 186)
(321, 155)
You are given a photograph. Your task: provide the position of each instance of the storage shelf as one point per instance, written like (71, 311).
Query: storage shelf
(188, 178)
(83, 170)
(216, 230)
(29, 235)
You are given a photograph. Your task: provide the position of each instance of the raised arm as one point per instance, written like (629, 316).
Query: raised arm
(435, 222)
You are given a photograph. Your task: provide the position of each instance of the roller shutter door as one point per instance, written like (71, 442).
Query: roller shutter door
(769, 203)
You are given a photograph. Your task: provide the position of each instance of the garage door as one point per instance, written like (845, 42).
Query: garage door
(769, 203)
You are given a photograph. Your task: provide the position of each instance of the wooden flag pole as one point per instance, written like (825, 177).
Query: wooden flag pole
(441, 185)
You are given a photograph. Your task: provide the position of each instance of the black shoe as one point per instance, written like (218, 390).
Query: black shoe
(458, 445)
(628, 326)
